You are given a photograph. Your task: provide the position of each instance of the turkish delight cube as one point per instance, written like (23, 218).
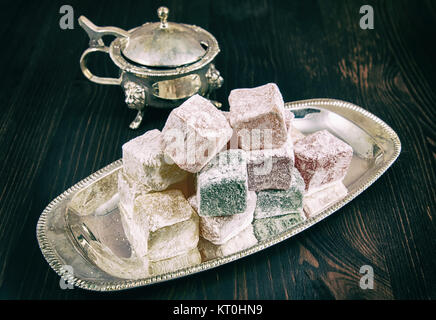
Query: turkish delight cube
(275, 202)
(219, 230)
(243, 240)
(136, 229)
(271, 168)
(269, 227)
(258, 116)
(322, 158)
(129, 189)
(222, 185)
(163, 208)
(189, 259)
(144, 160)
(174, 240)
(194, 133)
(316, 202)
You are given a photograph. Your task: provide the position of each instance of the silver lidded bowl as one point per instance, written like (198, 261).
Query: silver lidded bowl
(161, 63)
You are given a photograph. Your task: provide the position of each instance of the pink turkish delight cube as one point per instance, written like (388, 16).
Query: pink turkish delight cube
(322, 159)
(271, 168)
(194, 133)
(257, 115)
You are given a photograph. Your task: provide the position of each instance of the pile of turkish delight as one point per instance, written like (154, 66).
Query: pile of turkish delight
(213, 183)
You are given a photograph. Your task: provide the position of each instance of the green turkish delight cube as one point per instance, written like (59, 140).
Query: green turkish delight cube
(268, 227)
(222, 185)
(273, 202)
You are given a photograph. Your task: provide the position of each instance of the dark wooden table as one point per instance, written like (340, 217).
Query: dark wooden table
(57, 128)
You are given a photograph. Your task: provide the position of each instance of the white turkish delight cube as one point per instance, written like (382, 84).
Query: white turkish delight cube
(174, 240)
(194, 133)
(243, 240)
(163, 208)
(129, 189)
(144, 160)
(189, 259)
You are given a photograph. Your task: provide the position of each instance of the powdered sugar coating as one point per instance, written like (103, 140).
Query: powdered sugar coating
(322, 158)
(194, 133)
(257, 115)
(129, 189)
(191, 258)
(144, 161)
(136, 229)
(219, 230)
(222, 185)
(243, 240)
(271, 203)
(271, 168)
(268, 227)
(174, 240)
(163, 208)
(316, 202)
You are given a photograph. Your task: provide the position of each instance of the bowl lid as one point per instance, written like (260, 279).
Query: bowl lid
(163, 44)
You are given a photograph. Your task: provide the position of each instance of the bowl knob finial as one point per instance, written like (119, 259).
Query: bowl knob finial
(162, 13)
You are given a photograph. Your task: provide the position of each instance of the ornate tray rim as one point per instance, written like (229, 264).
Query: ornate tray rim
(56, 264)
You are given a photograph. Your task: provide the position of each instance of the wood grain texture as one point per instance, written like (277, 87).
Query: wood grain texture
(56, 128)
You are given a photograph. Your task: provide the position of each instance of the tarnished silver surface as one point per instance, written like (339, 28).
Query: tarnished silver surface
(174, 57)
(94, 244)
(153, 46)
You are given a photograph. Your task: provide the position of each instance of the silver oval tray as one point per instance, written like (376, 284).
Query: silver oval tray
(92, 253)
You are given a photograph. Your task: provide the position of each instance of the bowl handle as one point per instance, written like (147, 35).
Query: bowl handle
(96, 44)
(88, 74)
